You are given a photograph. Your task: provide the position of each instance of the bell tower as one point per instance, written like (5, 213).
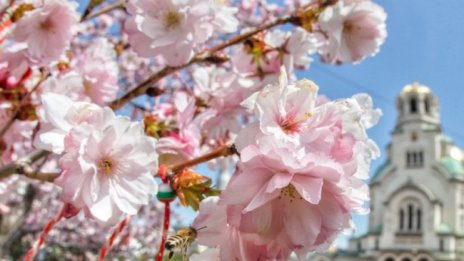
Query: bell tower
(417, 109)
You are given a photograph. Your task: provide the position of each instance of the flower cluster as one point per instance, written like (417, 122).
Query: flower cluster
(300, 174)
(107, 161)
(93, 77)
(202, 75)
(47, 30)
(172, 29)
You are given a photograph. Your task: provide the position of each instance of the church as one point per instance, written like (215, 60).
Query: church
(417, 194)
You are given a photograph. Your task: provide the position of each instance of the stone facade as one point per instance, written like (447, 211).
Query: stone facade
(417, 195)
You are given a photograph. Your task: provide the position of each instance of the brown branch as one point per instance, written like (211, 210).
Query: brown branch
(21, 166)
(222, 151)
(87, 15)
(202, 57)
(42, 176)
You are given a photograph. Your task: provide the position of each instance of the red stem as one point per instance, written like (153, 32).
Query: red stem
(167, 217)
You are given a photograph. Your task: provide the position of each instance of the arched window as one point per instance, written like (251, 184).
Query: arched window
(424, 259)
(410, 216)
(390, 259)
(413, 105)
(406, 259)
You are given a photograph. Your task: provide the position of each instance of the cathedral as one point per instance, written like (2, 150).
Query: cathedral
(417, 194)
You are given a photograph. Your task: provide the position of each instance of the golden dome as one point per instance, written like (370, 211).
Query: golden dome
(415, 88)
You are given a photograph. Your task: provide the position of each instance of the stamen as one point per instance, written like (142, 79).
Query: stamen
(105, 166)
(172, 19)
(46, 25)
(291, 125)
(289, 192)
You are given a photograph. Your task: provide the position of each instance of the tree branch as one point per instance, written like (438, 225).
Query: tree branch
(222, 151)
(22, 165)
(87, 15)
(204, 56)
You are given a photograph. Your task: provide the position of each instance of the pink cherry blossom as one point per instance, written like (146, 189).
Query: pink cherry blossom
(277, 48)
(47, 30)
(172, 28)
(60, 115)
(108, 163)
(355, 30)
(223, 91)
(218, 233)
(99, 71)
(14, 66)
(184, 144)
(283, 110)
(303, 160)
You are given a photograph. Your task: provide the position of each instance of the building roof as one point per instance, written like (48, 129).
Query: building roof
(380, 169)
(415, 88)
(453, 166)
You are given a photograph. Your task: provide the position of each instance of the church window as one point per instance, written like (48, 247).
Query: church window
(413, 104)
(410, 217)
(427, 106)
(414, 159)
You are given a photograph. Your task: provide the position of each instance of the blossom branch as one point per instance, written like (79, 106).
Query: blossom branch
(22, 166)
(204, 56)
(88, 15)
(222, 151)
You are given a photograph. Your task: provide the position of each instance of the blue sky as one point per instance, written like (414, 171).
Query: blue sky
(425, 43)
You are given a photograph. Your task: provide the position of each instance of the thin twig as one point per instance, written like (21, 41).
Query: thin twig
(106, 9)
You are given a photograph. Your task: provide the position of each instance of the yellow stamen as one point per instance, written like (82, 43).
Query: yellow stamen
(171, 19)
(289, 192)
(105, 166)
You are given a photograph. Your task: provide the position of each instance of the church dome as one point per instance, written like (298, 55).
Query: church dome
(417, 108)
(415, 88)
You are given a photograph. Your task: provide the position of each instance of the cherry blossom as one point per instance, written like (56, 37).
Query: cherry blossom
(172, 29)
(291, 164)
(14, 65)
(109, 162)
(47, 30)
(355, 30)
(181, 145)
(99, 71)
(291, 171)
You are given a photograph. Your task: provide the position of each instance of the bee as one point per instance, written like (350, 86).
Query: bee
(181, 240)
